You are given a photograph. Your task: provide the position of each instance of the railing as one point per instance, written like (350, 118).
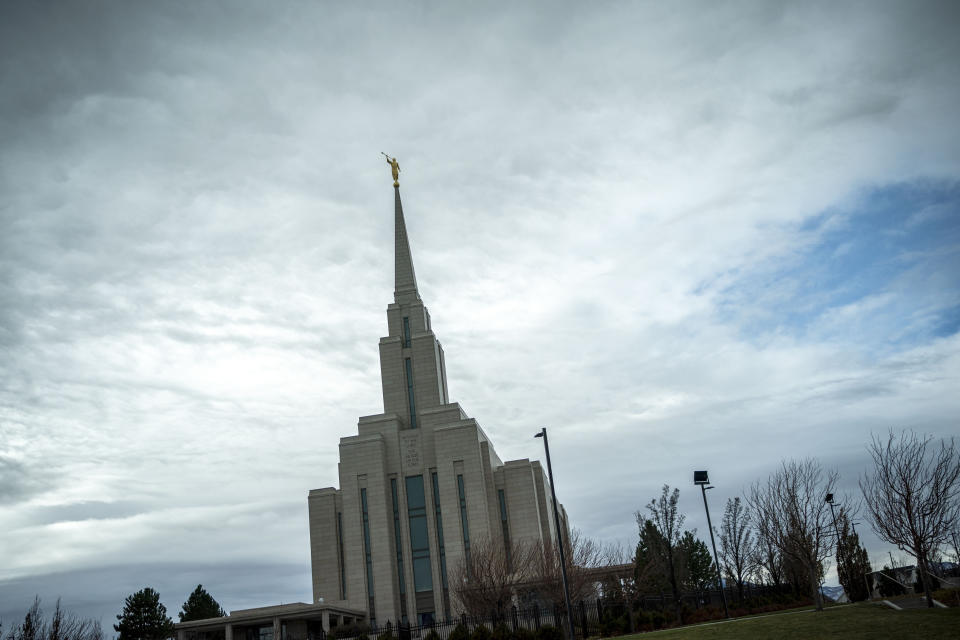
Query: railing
(590, 618)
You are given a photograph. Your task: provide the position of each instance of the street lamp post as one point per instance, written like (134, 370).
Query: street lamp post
(833, 514)
(556, 517)
(700, 478)
(830, 501)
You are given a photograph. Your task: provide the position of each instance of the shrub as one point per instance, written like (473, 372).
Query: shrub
(658, 619)
(949, 597)
(549, 632)
(704, 614)
(480, 633)
(432, 635)
(460, 632)
(350, 630)
(522, 633)
(386, 635)
(502, 632)
(614, 626)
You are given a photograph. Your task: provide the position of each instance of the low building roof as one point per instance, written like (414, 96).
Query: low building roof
(291, 611)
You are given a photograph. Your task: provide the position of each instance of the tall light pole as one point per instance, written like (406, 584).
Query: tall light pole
(830, 501)
(700, 478)
(556, 517)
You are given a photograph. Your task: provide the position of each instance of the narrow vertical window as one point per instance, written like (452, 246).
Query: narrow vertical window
(503, 525)
(439, 519)
(413, 404)
(406, 331)
(463, 518)
(343, 567)
(440, 547)
(399, 545)
(419, 541)
(443, 374)
(367, 554)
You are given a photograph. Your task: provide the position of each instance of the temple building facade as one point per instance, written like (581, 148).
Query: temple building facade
(418, 482)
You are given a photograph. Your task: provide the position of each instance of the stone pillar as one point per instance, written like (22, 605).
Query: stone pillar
(228, 632)
(181, 634)
(325, 621)
(276, 629)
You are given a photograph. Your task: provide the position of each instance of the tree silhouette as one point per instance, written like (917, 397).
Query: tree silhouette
(789, 510)
(668, 522)
(699, 571)
(912, 495)
(738, 553)
(200, 606)
(853, 563)
(144, 617)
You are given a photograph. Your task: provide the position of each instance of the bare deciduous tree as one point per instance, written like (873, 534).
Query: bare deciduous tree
(737, 543)
(789, 511)
(955, 541)
(60, 626)
(768, 563)
(488, 580)
(912, 495)
(618, 582)
(491, 578)
(583, 556)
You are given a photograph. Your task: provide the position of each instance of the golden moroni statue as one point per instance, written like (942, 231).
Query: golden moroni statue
(395, 168)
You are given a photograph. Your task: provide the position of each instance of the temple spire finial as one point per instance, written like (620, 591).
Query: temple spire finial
(405, 279)
(394, 168)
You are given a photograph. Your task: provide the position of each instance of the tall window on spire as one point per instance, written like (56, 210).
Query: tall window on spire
(440, 547)
(413, 404)
(406, 331)
(419, 542)
(343, 566)
(367, 554)
(399, 545)
(505, 527)
(463, 519)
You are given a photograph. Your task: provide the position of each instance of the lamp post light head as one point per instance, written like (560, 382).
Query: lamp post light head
(829, 498)
(700, 477)
(539, 435)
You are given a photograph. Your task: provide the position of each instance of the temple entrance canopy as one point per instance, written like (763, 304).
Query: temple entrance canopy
(295, 621)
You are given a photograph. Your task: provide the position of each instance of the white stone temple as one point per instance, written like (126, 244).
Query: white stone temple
(418, 482)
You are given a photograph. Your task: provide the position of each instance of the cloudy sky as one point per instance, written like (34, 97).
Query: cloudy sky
(679, 235)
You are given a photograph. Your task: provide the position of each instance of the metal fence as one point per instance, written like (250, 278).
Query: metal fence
(590, 618)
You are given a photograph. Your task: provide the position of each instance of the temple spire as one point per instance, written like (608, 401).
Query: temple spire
(405, 282)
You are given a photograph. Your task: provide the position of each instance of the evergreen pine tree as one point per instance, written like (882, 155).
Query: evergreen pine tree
(700, 572)
(853, 564)
(650, 570)
(144, 618)
(200, 606)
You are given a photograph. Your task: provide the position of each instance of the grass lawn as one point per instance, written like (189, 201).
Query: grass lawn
(854, 621)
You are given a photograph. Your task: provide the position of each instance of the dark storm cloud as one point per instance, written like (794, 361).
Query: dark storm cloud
(18, 482)
(98, 593)
(85, 511)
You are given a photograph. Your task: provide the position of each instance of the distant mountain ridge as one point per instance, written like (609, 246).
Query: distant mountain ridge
(834, 593)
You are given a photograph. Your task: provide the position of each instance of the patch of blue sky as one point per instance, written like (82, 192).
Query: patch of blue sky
(882, 270)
